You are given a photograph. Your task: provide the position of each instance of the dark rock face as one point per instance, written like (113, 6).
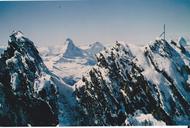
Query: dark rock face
(151, 79)
(20, 67)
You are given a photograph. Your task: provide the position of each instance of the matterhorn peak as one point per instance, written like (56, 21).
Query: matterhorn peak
(72, 51)
(69, 41)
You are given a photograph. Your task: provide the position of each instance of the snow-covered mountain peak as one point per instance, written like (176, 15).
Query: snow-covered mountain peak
(69, 44)
(182, 41)
(72, 51)
(17, 35)
(69, 41)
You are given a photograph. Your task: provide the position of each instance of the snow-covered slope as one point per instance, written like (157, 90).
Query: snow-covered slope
(69, 61)
(150, 82)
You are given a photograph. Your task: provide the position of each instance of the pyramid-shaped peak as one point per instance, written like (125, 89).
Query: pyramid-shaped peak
(72, 51)
(69, 44)
(69, 41)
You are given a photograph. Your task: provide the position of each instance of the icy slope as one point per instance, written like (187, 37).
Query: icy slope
(128, 79)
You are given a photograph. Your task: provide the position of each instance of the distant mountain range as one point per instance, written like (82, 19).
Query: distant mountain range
(125, 85)
(70, 61)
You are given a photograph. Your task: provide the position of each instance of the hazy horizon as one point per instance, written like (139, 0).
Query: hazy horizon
(88, 21)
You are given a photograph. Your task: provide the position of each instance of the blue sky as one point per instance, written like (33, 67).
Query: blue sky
(87, 21)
